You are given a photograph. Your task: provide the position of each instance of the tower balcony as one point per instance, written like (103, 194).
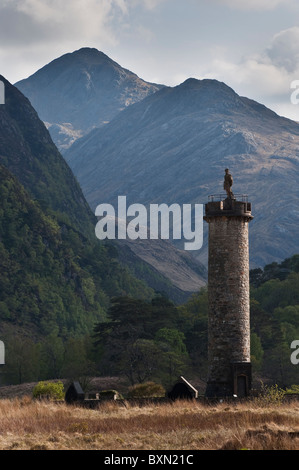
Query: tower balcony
(220, 205)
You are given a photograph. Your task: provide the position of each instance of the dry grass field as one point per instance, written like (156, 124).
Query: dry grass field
(26, 424)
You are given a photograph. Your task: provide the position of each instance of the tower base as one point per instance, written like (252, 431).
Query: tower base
(238, 384)
(218, 390)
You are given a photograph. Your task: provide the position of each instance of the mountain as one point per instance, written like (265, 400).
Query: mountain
(27, 150)
(32, 162)
(80, 91)
(52, 279)
(60, 93)
(173, 147)
(164, 267)
(55, 276)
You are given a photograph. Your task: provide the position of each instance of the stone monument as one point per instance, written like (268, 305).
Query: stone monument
(228, 291)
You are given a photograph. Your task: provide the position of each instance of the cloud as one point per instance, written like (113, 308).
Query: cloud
(283, 50)
(147, 4)
(259, 5)
(34, 32)
(24, 22)
(267, 76)
(252, 74)
(151, 4)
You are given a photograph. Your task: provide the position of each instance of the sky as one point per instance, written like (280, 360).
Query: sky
(251, 45)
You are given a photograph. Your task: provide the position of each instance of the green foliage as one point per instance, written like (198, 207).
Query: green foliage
(51, 276)
(171, 339)
(77, 360)
(275, 320)
(56, 278)
(49, 390)
(146, 390)
(193, 322)
(257, 351)
(22, 358)
(271, 395)
(274, 271)
(141, 340)
(32, 359)
(27, 151)
(294, 389)
(57, 281)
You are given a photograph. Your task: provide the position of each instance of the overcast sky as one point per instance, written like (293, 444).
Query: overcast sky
(251, 45)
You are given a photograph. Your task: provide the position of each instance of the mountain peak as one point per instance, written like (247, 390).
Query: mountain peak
(174, 145)
(89, 51)
(206, 85)
(87, 54)
(80, 91)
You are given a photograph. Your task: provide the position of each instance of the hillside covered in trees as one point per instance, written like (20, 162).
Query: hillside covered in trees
(143, 339)
(52, 277)
(164, 341)
(56, 278)
(70, 306)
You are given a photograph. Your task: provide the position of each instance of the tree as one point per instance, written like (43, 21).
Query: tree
(52, 356)
(140, 361)
(257, 351)
(194, 324)
(174, 356)
(137, 336)
(76, 361)
(172, 339)
(22, 360)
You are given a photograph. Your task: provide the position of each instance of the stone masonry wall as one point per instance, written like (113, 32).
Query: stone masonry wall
(229, 311)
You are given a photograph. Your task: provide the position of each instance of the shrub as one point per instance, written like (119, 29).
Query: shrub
(270, 395)
(293, 389)
(146, 390)
(49, 390)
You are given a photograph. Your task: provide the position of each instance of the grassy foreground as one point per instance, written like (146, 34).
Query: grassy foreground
(32, 425)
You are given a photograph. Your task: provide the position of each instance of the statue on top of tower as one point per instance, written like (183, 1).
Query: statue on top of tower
(228, 182)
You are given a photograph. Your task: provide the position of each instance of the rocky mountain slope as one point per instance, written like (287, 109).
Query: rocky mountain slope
(183, 274)
(27, 151)
(80, 91)
(173, 147)
(55, 276)
(64, 96)
(52, 279)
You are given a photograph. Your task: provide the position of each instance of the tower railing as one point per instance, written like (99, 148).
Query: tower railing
(222, 196)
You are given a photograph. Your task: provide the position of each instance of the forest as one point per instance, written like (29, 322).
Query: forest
(72, 306)
(70, 309)
(157, 340)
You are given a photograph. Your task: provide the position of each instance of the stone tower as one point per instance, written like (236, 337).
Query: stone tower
(228, 290)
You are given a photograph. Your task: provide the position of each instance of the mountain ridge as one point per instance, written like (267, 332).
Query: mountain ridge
(80, 91)
(173, 147)
(27, 150)
(53, 281)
